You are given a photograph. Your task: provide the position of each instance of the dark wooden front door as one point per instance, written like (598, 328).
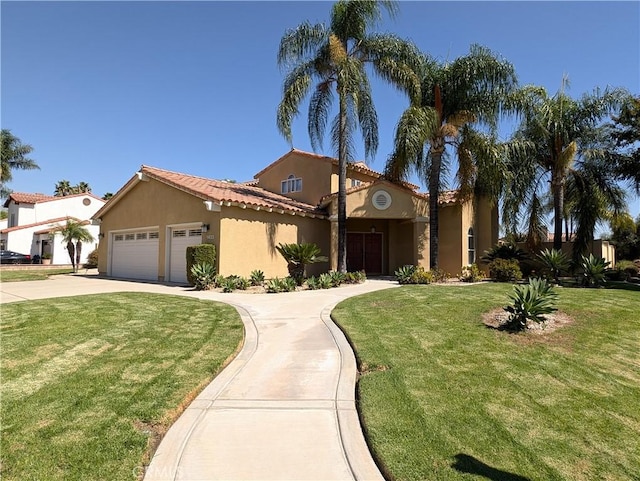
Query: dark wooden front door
(364, 252)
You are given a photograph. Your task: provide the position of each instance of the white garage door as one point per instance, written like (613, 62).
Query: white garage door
(135, 255)
(181, 238)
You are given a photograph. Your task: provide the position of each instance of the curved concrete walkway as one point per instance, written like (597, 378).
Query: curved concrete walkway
(283, 409)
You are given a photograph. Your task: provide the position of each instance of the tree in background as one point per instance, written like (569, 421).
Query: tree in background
(456, 100)
(559, 131)
(74, 231)
(107, 196)
(625, 236)
(64, 188)
(14, 156)
(626, 133)
(335, 57)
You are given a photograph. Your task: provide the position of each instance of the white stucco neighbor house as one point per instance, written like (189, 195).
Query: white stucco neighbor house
(33, 218)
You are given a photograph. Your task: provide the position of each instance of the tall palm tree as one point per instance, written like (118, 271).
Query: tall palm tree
(559, 130)
(63, 188)
(74, 231)
(335, 57)
(13, 156)
(457, 100)
(82, 188)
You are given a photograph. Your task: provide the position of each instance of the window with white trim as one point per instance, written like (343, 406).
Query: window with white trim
(292, 184)
(471, 245)
(356, 183)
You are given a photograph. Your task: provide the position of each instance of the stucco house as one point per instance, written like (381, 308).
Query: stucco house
(147, 225)
(33, 219)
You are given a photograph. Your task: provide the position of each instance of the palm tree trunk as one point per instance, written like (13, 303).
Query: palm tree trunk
(342, 186)
(557, 187)
(78, 254)
(434, 193)
(72, 250)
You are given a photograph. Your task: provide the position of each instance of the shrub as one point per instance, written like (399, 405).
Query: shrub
(622, 271)
(276, 285)
(403, 274)
(357, 277)
(554, 262)
(505, 270)
(229, 284)
(593, 271)
(313, 283)
(203, 276)
(325, 281)
(257, 277)
(415, 275)
(298, 256)
(439, 275)
(505, 251)
(471, 274)
(420, 276)
(337, 278)
(530, 303)
(200, 254)
(92, 259)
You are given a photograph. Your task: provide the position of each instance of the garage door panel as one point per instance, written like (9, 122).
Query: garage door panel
(181, 238)
(135, 255)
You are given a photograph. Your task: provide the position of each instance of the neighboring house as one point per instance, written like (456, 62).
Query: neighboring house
(33, 219)
(147, 225)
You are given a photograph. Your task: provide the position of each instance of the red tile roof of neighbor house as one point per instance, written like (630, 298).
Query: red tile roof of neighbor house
(221, 192)
(44, 231)
(29, 198)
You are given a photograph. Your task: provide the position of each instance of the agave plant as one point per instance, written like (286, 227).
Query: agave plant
(256, 277)
(593, 271)
(530, 303)
(298, 256)
(204, 276)
(555, 262)
(404, 273)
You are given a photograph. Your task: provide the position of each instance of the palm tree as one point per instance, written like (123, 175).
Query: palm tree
(558, 130)
(456, 100)
(14, 156)
(298, 256)
(74, 231)
(335, 57)
(82, 188)
(63, 188)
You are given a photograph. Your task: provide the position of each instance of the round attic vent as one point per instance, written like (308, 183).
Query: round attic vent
(381, 200)
(86, 201)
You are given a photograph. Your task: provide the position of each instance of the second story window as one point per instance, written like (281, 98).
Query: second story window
(356, 183)
(292, 184)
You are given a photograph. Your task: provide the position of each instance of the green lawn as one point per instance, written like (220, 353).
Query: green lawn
(31, 275)
(89, 382)
(444, 397)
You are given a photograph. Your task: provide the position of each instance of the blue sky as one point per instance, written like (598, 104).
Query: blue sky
(100, 88)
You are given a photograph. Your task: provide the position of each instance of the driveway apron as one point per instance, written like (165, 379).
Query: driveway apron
(283, 409)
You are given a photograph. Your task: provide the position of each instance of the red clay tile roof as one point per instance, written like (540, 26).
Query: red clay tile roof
(230, 193)
(446, 197)
(360, 167)
(29, 198)
(36, 224)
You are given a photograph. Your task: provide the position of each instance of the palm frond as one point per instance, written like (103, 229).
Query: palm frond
(301, 43)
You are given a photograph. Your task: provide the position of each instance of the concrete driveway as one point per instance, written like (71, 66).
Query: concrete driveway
(283, 409)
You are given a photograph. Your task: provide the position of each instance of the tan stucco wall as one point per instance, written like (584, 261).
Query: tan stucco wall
(249, 238)
(315, 174)
(153, 203)
(449, 238)
(403, 204)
